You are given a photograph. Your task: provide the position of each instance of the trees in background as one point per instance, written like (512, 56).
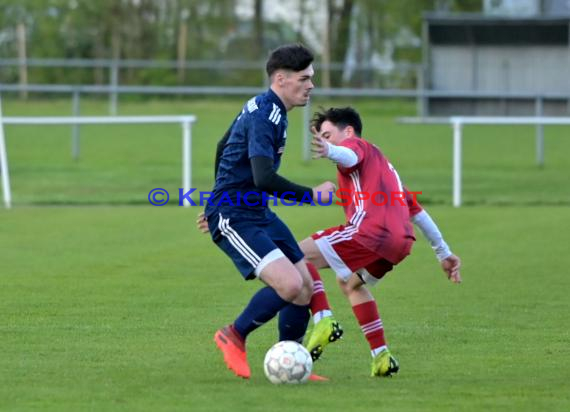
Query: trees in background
(356, 33)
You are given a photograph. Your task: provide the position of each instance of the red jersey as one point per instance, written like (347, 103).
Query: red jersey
(376, 205)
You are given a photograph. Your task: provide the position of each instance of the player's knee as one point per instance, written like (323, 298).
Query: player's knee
(292, 288)
(347, 288)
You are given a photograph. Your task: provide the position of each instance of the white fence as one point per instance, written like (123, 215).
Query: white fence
(185, 121)
(457, 124)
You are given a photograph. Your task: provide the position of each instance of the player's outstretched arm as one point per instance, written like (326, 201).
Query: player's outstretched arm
(450, 263)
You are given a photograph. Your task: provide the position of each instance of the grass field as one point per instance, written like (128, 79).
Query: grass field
(107, 303)
(115, 307)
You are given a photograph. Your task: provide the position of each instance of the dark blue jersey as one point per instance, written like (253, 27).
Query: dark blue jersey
(259, 130)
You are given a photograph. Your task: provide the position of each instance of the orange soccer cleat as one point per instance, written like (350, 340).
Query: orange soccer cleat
(317, 378)
(233, 348)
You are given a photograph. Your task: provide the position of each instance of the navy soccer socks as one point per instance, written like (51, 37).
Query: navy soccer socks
(262, 307)
(293, 321)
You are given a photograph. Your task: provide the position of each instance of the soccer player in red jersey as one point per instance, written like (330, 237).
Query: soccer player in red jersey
(378, 233)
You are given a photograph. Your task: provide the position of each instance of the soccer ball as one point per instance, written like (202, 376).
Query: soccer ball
(287, 362)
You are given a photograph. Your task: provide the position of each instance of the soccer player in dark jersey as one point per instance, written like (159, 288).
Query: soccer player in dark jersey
(378, 233)
(241, 224)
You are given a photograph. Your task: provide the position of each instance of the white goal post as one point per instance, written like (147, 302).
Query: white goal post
(185, 121)
(457, 124)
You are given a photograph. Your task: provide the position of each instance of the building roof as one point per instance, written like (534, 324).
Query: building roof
(471, 29)
(485, 19)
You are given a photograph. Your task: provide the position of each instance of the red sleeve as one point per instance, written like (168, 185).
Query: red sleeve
(414, 205)
(358, 147)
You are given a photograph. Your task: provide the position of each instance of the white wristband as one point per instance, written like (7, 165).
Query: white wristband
(430, 230)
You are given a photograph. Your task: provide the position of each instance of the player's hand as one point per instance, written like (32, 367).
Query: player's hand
(319, 146)
(326, 191)
(202, 223)
(451, 267)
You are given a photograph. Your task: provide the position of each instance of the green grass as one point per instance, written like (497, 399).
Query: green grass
(113, 305)
(120, 164)
(114, 308)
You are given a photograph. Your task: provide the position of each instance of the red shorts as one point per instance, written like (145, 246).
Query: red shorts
(346, 256)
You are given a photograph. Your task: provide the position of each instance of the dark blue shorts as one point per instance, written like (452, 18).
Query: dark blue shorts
(252, 245)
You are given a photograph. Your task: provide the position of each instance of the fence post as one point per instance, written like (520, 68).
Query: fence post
(22, 57)
(457, 126)
(4, 165)
(186, 158)
(420, 96)
(75, 127)
(539, 111)
(113, 83)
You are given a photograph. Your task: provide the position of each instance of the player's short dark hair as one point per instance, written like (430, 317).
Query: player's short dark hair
(340, 117)
(295, 57)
